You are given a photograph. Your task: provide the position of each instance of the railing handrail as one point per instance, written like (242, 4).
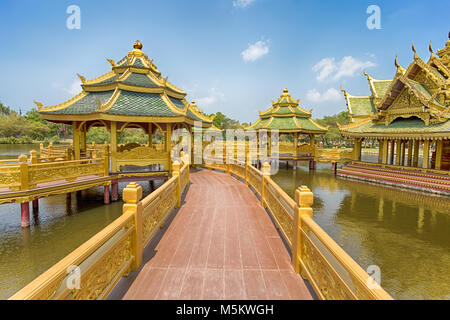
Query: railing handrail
(344, 258)
(58, 272)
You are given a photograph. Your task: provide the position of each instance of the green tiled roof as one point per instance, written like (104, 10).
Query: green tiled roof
(178, 103)
(190, 114)
(380, 87)
(140, 80)
(361, 106)
(87, 104)
(286, 110)
(401, 125)
(287, 123)
(140, 104)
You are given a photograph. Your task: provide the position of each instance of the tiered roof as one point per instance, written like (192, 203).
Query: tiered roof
(133, 90)
(415, 103)
(286, 115)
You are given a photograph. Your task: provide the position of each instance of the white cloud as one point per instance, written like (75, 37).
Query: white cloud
(255, 51)
(329, 69)
(329, 95)
(242, 3)
(212, 98)
(74, 88)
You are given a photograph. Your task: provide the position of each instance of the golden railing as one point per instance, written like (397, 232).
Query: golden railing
(53, 153)
(317, 257)
(94, 268)
(28, 173)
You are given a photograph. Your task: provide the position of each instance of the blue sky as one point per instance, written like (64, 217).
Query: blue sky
(233, 56)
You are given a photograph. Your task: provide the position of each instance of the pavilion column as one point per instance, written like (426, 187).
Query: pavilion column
(357, 149)
(410, 152)
(426, 154)
(76, 140)
(416, 153)
(438, 160)
(167, 143)
(385, 151)
(398, 152)
(150, 135)
(380, 150)
(312, 144)
(113, 134)
(296, 144)
(402, 160)
(83, 139)
(392, 152)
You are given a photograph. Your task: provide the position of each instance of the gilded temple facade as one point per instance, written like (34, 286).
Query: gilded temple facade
(134, 94)
(288, 118)
(406, 114)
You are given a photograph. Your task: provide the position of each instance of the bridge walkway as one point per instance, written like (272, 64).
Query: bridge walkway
(221, 244)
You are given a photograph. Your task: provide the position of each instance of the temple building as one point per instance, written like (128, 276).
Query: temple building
(289, 118)
(133, 94)
(406, 114)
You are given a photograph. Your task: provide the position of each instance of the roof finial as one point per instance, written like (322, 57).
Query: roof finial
(399, 67)
(137, 45)
(285, 90)
(430, 49)
(368, 77)
(415, 52)
(345, 92)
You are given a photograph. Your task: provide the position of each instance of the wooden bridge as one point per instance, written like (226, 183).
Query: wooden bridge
(227, 241)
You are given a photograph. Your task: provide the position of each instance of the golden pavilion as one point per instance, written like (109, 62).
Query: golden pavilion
(289, 118)
(406, 114)
(133, 94)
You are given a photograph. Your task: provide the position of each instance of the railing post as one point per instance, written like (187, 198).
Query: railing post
(41, 150)
(33, 157)
(265, 175)
(23, 165)
(176, 173)
(106, 161)
(246, 170)
(50, 150)
(132, 196)
(304, 199)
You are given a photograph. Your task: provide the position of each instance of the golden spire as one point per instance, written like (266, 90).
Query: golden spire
(430, 49)
(415, 52)
(399, 67)
(345, 92)
(137, 45)
(285, 90)
(367, 75)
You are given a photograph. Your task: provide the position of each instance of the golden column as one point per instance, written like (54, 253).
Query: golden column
(416, 153)
(426, 154)
(392, 152)
(410, 152)
(385, 151)
(438, 163)
(380, 150)
(113, 134)
(398, 153)
(76, 140)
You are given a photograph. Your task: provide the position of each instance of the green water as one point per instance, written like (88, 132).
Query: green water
(406, 234)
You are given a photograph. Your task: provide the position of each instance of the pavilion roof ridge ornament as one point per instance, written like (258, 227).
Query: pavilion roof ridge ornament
(400, 69)
(416, 56)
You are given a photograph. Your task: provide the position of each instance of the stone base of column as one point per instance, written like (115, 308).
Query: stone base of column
(25, 214)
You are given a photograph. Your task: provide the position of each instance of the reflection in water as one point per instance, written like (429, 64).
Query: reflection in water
(405, 233)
